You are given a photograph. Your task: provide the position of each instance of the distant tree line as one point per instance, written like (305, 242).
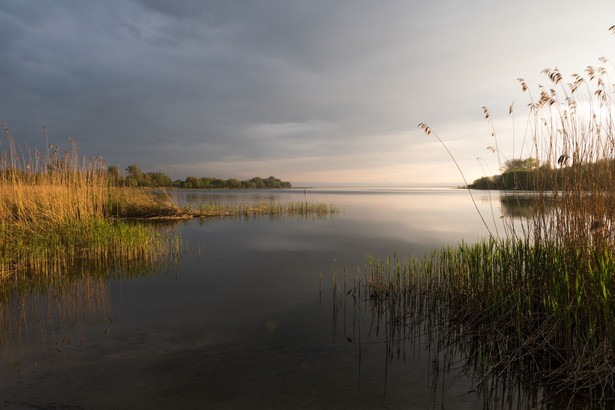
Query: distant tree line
(517, 174)
(529, 174)
(134, 177)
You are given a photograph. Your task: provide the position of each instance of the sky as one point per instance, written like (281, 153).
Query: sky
(318, 93)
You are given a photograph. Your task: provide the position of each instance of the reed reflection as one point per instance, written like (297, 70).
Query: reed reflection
(522, 205)
(47, 311)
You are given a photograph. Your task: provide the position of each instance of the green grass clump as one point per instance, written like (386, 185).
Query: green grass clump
(55, 248)
(301, 209)
(531, 311)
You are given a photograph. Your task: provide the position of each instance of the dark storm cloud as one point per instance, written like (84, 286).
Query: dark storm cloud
(209, 74)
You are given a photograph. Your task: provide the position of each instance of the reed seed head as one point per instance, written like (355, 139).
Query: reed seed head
(425, 128)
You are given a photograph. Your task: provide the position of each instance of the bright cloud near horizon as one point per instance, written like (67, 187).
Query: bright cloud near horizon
(314, 92)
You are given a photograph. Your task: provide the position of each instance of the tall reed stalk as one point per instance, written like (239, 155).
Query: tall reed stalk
(534, 307)
(573, 138)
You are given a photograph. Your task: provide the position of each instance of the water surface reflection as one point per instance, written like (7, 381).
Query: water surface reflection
(245, 321)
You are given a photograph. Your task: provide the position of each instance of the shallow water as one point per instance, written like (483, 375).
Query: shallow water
(246, 320)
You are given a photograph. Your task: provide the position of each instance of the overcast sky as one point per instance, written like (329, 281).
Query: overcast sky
(314, 92)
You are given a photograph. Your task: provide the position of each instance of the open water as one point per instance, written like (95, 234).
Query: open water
(246, 318)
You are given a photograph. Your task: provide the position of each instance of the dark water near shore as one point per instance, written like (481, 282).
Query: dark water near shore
(246, 319)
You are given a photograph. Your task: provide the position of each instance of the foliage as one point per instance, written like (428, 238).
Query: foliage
(594, 174)
(518, 164)
(137, 178)
(192, 182)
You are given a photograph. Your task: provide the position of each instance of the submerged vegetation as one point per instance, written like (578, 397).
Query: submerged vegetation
(532, 310)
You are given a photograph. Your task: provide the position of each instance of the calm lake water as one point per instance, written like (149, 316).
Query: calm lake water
(245, 319)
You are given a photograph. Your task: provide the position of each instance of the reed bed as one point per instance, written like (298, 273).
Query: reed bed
(531, 309)
(572, 137)
(55, 211)
(527, 312)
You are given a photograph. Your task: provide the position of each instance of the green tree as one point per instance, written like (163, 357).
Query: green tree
(192, 182)
(520, 164)
(233, 183)
(206, 183)
(258, 182)
(134, 176)
(114, 175)
(272, 182)
(218, 183)
(158, 179)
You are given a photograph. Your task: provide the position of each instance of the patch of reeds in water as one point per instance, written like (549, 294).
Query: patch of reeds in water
(297, 209)
(531, 310)
(572, 137)
(530, 313)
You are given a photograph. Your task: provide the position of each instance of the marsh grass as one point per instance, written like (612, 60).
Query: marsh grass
(143, 204)
(55, 213)
(572, 136)
(525, 312)
(531, 310)
(296, 209)
(63, 235)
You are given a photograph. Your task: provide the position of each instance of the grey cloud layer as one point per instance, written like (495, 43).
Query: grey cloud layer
(162, 83)
(195, 72)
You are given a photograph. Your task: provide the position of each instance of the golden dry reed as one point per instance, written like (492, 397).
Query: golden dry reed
(572, 137)
(55, 210)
